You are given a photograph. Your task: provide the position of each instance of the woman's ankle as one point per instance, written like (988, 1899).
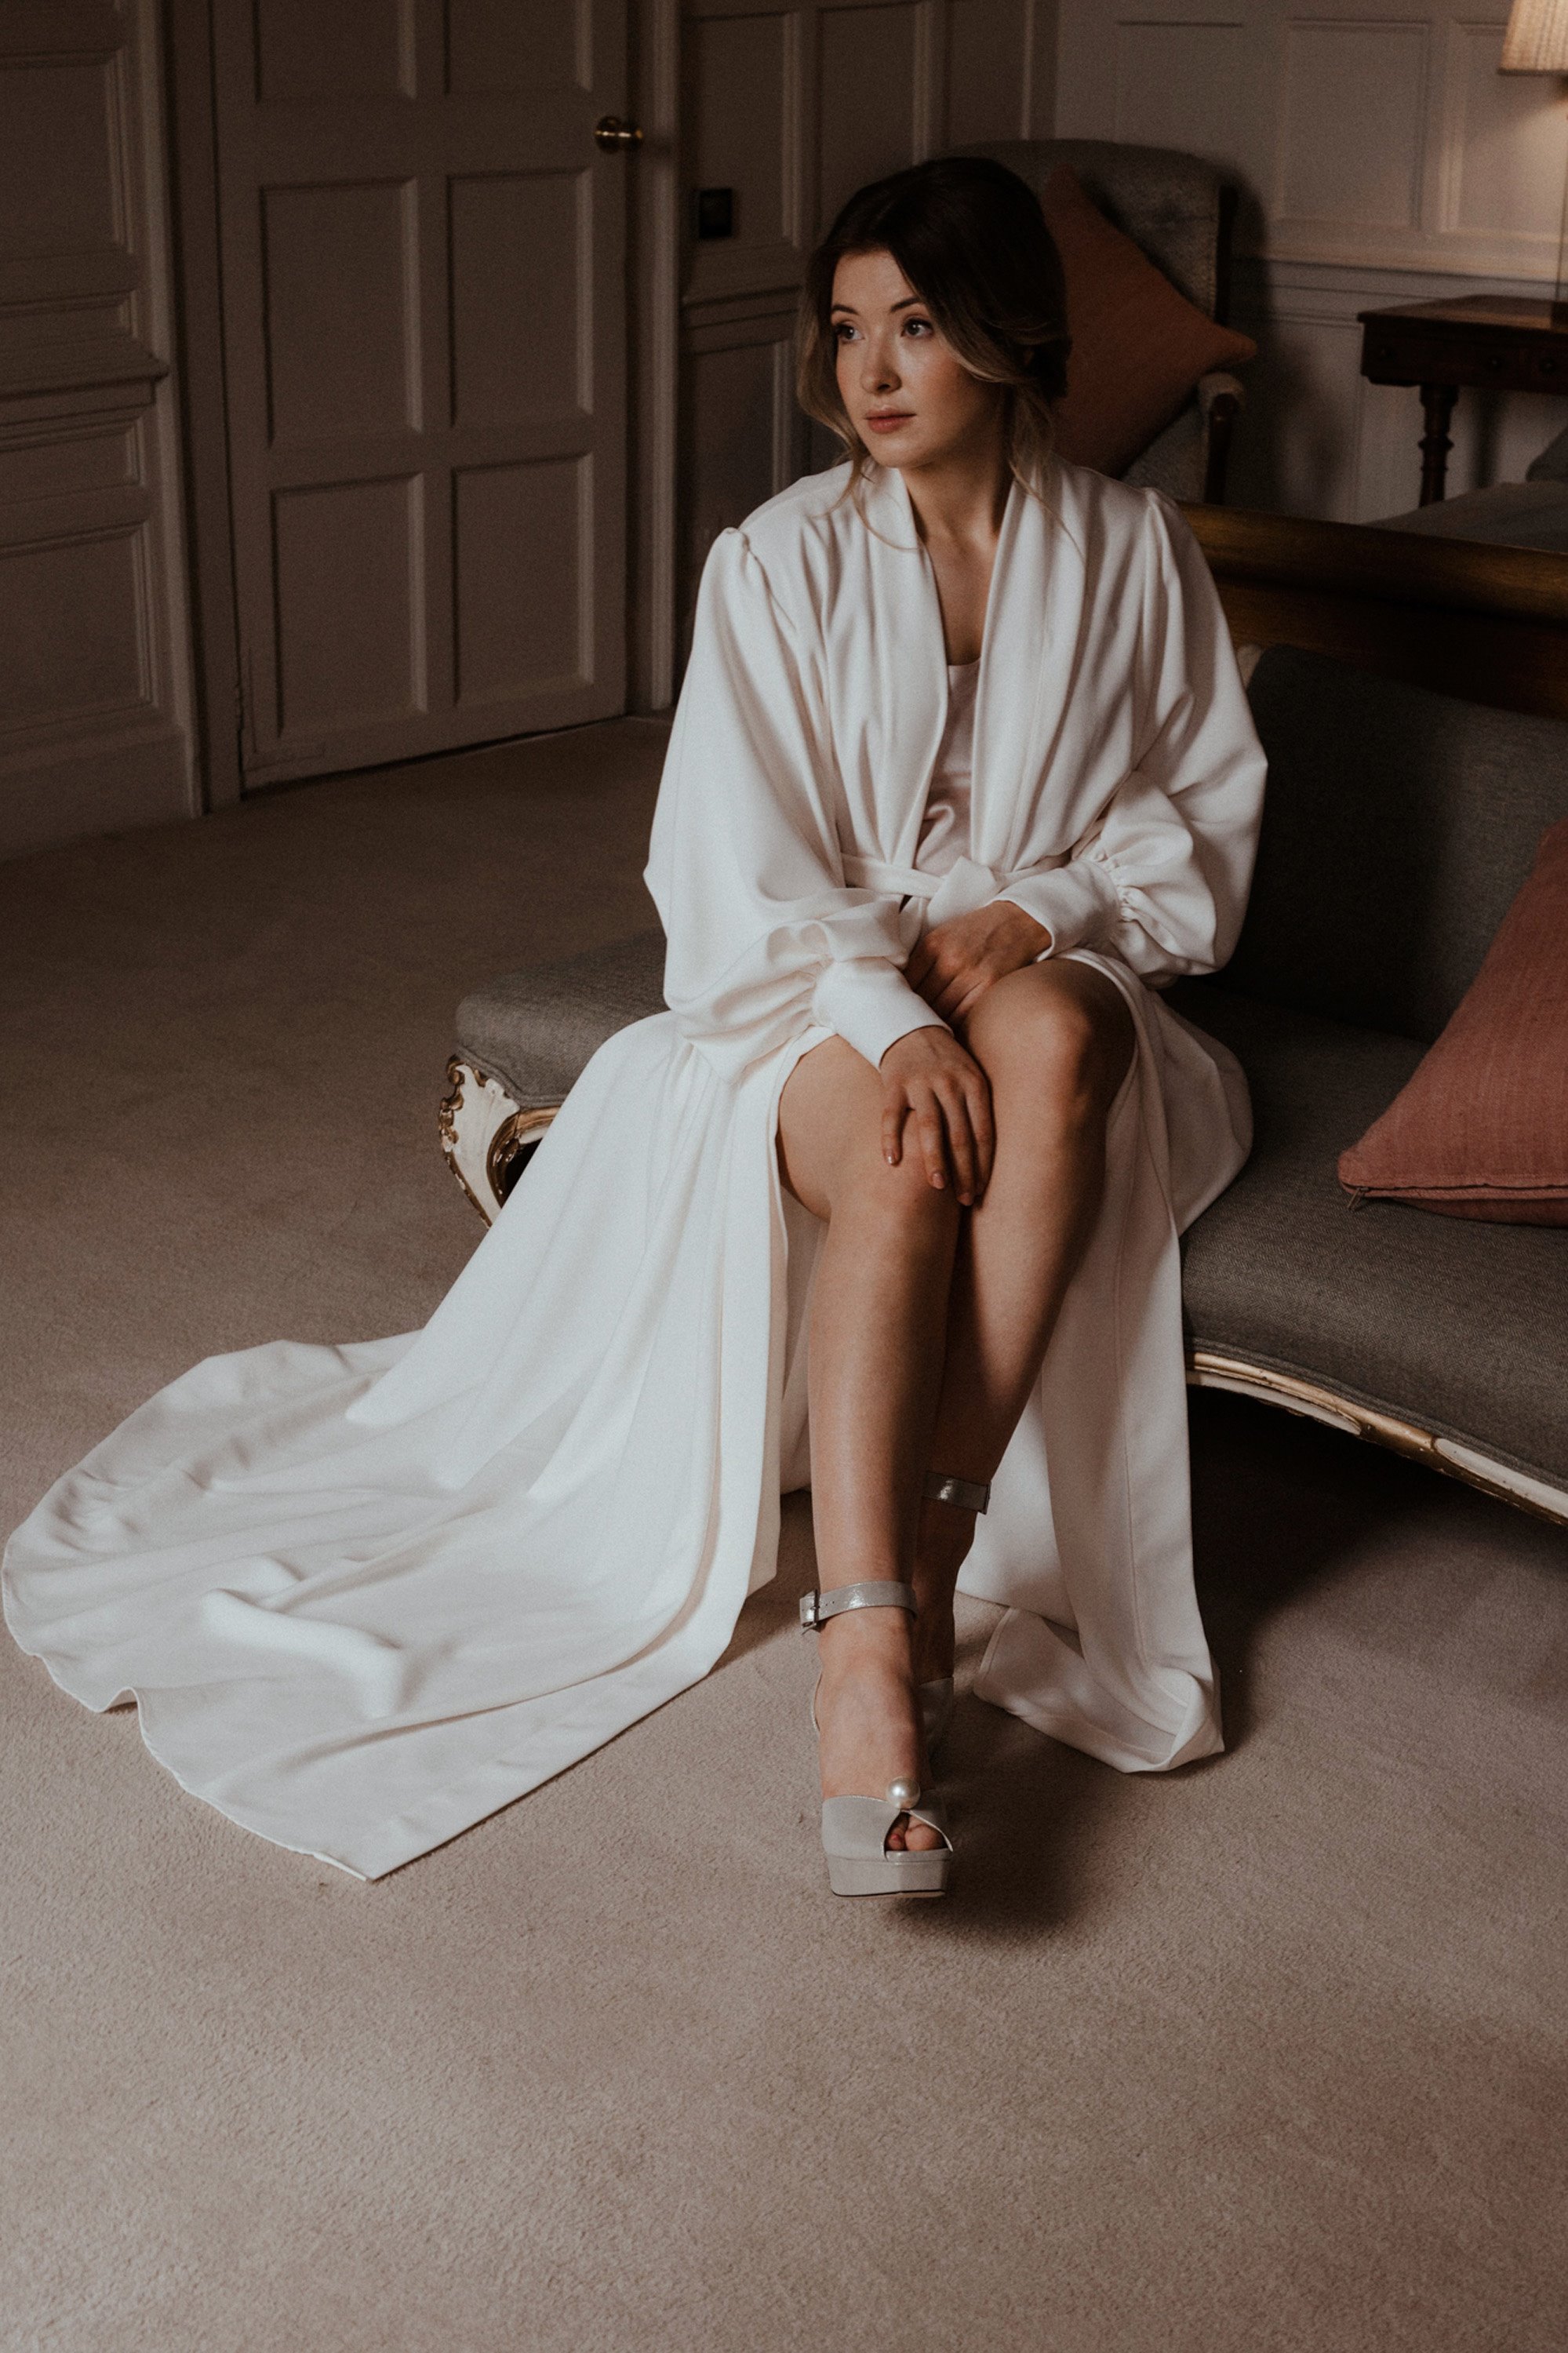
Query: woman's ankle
(933, 1640)
(875, 1641)
(947, 1536)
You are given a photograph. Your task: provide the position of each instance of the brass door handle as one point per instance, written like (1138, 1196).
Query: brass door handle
(614, 136)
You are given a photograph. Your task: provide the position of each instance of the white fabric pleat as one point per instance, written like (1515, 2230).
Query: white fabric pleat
(362, 1595)
(366, 1594)
(1088, 1541)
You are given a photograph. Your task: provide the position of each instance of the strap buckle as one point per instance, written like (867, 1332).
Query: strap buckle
(967, 1494)
(871, 1593)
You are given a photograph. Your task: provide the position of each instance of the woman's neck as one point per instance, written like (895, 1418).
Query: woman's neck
(959, 505)
(961, 499)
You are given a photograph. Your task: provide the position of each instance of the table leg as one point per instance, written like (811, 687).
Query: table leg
(1437, 403)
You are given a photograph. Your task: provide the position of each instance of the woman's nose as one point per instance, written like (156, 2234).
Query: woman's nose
(877, 372)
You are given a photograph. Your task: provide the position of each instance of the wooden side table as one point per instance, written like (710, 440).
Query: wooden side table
(1498, 341)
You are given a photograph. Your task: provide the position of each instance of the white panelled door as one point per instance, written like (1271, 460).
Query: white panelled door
(423, 255)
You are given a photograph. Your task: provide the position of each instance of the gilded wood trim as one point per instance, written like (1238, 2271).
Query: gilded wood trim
(1205, 1369)
(484, 1132)
(510, 1145)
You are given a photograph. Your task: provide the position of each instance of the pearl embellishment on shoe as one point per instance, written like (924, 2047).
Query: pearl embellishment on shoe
(903, 1794)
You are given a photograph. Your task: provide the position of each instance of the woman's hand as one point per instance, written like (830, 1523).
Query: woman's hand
(956, 962)
(930, 1082)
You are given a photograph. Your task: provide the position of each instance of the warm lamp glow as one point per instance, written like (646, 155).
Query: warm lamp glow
(1536, 40)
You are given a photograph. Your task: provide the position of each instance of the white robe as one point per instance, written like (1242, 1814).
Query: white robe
(364, 1595)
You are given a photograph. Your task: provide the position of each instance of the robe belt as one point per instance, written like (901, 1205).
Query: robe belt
(898, 881)
(964, 887)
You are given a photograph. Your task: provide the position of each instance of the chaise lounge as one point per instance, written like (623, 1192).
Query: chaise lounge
(1399, 826)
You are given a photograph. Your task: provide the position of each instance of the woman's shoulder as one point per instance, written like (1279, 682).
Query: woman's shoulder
(790, 547)
(1124, 531)
(1111, 506)
(811, 513)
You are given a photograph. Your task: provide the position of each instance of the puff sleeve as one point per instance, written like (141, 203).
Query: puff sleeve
(1160, 879)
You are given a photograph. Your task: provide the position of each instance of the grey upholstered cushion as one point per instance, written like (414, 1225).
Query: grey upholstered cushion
(1551, 466)
(1509, 514)
(538, 1030)
(1397, 826)
(1457, 1326)
(1170, 204)
(1177, 460)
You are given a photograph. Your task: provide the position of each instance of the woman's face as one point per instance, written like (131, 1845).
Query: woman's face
(909, 397)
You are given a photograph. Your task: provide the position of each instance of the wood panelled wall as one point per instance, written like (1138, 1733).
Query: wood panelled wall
(793, 106)
(1383, 159)
(94, 702)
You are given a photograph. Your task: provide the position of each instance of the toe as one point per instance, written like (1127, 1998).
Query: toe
(908, 1837)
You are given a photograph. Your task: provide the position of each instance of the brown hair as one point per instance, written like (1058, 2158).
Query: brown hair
(971, 239)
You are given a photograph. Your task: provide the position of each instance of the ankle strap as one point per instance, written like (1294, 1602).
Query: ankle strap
(816, 1609)
(968, 1495)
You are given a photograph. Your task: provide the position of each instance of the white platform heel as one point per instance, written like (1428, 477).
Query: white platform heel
(855, 1829)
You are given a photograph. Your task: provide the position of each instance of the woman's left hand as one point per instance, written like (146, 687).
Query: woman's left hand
(957, 961)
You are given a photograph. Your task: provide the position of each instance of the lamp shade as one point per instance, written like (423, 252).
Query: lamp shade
(1536, 40)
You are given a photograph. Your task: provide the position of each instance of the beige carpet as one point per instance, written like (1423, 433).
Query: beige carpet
(1269, 2055)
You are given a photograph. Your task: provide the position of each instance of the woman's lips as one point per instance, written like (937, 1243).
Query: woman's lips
(890, 421)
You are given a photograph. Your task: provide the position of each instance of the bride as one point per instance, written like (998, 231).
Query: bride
(887, 1202)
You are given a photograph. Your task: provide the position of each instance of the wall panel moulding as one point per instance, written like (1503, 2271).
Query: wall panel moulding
(1376, 133)
(94, 694)
(790, 108)
(1379, 158)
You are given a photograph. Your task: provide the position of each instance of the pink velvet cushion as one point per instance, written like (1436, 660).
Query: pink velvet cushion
(1139, 347)
(1481, 1130)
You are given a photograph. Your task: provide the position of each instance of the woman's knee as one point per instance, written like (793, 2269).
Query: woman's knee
(892, 1198)
(1066, 1038)
(905, 1193)
(831, 1147)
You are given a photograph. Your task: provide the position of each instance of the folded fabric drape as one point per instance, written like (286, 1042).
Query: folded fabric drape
(366, 1594)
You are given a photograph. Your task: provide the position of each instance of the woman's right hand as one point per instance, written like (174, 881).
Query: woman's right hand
(931, 1084)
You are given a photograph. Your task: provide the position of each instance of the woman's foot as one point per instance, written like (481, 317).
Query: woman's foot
(867, 1715)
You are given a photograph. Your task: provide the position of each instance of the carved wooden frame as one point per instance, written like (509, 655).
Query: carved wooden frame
(487, 1137)
(1208, 1370)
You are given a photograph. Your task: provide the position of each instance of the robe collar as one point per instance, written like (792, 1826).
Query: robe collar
(1026, 659)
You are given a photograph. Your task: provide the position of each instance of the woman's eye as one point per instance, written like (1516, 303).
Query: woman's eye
(843, 333)
(918, 327)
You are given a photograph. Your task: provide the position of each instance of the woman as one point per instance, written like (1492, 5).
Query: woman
(962, 766)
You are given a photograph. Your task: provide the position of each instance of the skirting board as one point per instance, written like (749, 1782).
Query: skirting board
(487, 1139)
(105, 785)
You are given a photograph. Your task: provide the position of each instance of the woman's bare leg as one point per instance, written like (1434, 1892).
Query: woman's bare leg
(1055, 1041)
(878, 1320)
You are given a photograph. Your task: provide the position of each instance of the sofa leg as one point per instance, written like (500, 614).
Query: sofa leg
(488, 1139)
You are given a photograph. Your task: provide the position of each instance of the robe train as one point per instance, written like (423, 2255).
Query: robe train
(366, 1594)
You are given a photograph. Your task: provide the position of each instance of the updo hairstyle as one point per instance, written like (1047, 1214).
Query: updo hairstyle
(971, 239)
